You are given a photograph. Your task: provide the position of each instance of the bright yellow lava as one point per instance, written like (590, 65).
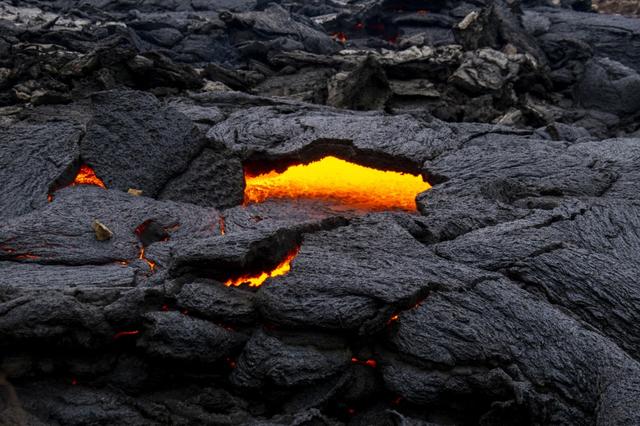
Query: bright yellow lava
(256, 280)
(334, 179)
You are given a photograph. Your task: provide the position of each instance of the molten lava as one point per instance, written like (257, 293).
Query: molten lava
(334, 179)
(141, 256)
(86, 176)
(125, 333)
(256, 280)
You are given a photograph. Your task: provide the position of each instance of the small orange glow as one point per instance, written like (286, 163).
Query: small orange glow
(86, 176)
(256, 280)
(231, 363)
(26, 257)
(369, 363)
(422, 12)
(334, 179)
(125, 333)
(151, 264)
(221, 225)
(339, 36)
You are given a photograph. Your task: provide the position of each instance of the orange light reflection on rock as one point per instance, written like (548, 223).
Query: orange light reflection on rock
(335, 179)
(256, 280)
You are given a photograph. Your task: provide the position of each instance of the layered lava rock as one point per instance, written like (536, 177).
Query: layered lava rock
(319, 213)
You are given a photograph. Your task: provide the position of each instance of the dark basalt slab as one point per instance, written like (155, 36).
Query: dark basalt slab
(269, 359)
(61, 232)
(564, 256)
(496, 340)
(33, 156)
(497, 178)
(135, 142)
(178, 337)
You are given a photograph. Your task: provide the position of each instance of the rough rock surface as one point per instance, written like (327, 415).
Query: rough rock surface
(509, 296)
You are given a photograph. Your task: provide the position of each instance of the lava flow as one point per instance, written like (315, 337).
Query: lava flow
(334, 179)
(256, 280)
(86, 176)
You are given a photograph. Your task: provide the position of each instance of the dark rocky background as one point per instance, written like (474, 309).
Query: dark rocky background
(510, 297)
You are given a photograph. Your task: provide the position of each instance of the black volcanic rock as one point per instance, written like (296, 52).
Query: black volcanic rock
(355, 278)
(214, 301)
(495, 340)
(61, 232)
(174, 336)
(268, 359)
(509, 296)
(135, 142)
(33, 156)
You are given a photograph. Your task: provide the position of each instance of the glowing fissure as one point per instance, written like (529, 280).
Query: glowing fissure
(338, 180)
(86, 176)
(257, 279)
(125, 333)
(141, 256)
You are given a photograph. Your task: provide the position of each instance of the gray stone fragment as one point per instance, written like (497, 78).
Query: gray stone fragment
(102, 232)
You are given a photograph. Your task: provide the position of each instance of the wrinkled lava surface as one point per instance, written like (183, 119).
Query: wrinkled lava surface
(319, 213)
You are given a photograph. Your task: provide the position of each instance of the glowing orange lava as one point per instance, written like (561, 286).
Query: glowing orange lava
(86, 176)
(256, 280)
(141, 256)
(334, 179)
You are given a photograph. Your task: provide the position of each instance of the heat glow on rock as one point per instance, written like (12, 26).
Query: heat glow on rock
(338, 180)
(256, 280)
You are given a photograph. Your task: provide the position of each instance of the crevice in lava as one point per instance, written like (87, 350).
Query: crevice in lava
(376, 183)
(149, 232)
(79, 173)
(256, 279)
(344, 149)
